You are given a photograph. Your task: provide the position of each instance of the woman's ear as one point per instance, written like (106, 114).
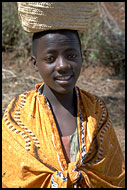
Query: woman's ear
(34, 63)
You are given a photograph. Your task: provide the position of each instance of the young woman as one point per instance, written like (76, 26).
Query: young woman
(59, 135)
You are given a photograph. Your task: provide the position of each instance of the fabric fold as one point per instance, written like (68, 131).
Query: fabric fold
(32, 153)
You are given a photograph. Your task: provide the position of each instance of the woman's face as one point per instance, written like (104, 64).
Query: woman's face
(59, 60)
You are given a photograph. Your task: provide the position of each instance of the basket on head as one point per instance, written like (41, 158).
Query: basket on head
(40, 16)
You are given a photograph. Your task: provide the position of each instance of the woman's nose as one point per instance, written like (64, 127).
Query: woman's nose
(62, 64)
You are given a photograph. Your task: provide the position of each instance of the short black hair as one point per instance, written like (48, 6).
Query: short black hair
(38, 35)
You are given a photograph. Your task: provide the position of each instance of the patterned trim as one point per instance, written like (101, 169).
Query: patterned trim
(103, 114)
(57, 174)
(100, 153)
(102, 133)
(56, 152)
(22, 126)
(12, 128)
(83, 145)
(53, 183)
(49, 107)
(78, 175)
(83, 149)
(60, 175)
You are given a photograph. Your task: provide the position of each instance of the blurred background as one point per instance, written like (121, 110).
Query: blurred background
(103, 70)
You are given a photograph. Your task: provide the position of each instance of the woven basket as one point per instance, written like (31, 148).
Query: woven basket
(40, 16)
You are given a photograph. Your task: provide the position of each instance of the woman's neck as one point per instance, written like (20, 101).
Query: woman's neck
(58, 100)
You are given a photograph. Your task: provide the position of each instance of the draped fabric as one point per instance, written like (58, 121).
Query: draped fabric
(32, 155)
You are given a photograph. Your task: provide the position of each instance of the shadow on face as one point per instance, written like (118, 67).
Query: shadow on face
(69, 33)
(57, 57)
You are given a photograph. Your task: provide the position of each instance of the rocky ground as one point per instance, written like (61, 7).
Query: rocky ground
(18, 77)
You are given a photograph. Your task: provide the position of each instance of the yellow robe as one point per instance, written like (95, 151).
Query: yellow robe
(32, 155)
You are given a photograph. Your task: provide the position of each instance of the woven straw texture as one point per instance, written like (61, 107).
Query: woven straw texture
(40, 16)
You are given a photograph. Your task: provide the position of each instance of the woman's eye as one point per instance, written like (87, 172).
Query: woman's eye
(50, 59)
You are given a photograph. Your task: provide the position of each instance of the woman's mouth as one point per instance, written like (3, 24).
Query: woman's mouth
(63, 78)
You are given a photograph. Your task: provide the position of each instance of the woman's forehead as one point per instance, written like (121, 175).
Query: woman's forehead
(56, 39)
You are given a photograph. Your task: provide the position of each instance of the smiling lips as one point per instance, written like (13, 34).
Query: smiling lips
(63, 78)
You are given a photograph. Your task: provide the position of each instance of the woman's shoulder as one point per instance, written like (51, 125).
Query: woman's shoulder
(25, 96)
(20, 99)
(94, 105)
(90, 97)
